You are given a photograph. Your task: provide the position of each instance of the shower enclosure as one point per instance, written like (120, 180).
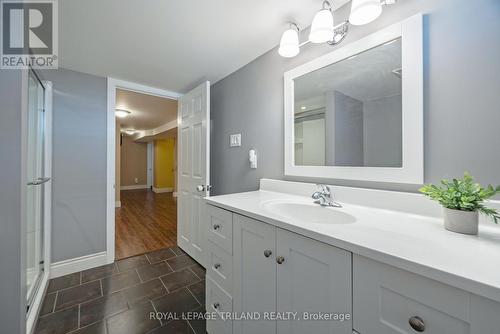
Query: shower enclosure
(37, 181)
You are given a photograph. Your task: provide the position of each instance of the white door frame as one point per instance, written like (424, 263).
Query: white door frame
(113, 84)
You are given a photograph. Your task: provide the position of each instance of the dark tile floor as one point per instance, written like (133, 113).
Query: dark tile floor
(118, 298)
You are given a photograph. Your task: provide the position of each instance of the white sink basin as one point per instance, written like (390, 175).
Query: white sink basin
(308, 211)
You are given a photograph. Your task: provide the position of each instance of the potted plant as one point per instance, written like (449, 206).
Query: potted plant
(462, 200)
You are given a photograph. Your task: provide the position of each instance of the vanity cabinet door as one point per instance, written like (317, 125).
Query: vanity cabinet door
(389, 300)
(254, 274)
(315, 279)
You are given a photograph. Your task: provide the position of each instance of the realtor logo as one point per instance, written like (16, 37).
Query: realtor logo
(29, 34)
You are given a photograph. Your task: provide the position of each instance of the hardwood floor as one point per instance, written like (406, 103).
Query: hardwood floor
(146, 221)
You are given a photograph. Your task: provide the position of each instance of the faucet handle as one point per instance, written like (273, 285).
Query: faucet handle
(324, 188)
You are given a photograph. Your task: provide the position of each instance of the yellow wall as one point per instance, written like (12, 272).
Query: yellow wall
(164, 164)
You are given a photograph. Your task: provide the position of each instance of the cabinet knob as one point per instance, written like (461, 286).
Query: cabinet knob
(216, 306)
(280, 259)
(417, 324)
(268, 253)
(216, 226)
(217, 265)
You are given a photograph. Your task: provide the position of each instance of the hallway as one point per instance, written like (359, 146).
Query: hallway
(145, 222)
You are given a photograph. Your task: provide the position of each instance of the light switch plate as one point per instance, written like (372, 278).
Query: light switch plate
(235, 140)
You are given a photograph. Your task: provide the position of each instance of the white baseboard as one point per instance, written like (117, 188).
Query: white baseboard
(135, 186)
(163, 190)
(118, 204)
(70, 266)
(174, 194)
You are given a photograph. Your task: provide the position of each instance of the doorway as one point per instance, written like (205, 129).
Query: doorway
(193, 143)
(145, 217)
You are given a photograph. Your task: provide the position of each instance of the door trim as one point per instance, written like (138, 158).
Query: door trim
(113, 84)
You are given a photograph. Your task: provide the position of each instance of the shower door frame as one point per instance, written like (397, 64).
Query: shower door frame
(36, 303)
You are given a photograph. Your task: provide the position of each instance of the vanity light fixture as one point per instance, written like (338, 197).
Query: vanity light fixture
(364, 11)
(121, 113)
(323, 29)
(289, 44)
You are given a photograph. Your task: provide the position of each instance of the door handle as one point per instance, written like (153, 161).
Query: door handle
(39, 181)
(202, 187)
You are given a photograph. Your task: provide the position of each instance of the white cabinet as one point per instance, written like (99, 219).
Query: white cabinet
(254, 274)
(389, 300)
(279, 271)
(315, 279)
(255, 268)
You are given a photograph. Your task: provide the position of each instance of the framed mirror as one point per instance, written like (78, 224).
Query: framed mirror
(357, 112)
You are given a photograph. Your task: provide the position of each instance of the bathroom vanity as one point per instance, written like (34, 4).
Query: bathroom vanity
(380, 264)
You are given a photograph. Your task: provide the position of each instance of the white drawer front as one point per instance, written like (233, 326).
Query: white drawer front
(387, 299)
(218, 302)
(220, 267)
(220, 228)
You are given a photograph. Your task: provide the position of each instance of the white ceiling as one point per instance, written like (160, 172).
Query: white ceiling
(367, 76)
(173, 44)
(146, 111)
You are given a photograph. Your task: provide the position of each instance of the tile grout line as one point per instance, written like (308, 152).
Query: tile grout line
(55, 301)
(187, 288)
(194, 272)
(168, 292)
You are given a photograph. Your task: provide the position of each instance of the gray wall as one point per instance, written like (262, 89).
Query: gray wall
(344, 120)
(79, 164)
(12, 225)
(383, 146)
(462, 99)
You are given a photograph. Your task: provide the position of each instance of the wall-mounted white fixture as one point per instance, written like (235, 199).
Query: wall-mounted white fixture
(121, 113)
(323, 29)
(364, 11)
(289, 44)
(252, 157)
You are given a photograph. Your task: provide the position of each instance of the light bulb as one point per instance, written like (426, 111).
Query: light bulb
(364, 11)
(289, 43)
(121, 113)
(322, 27)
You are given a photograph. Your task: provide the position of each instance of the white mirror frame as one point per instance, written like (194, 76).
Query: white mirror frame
(412, 171)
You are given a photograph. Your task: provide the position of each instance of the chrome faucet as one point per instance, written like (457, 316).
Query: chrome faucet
(324, 197)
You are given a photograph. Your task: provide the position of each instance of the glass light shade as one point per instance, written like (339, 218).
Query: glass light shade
(120, 113)
(364, 11)
(322, 27)
(289, 44)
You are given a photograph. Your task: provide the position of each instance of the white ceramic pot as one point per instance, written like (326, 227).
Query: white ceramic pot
(465, 222)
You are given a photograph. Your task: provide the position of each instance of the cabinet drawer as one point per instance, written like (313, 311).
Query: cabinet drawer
(220, 267)
(387, 300)
(220, 228)
(220, 303)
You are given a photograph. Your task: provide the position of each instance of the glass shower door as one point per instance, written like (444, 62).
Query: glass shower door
(35, 185)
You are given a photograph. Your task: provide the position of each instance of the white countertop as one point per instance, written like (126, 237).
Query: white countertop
(414, 242)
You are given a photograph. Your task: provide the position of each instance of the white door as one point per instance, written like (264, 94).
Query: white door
(193, 172)
(315, 278)
(254, 274)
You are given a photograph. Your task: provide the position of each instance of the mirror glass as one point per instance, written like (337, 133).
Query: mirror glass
(350, 113)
